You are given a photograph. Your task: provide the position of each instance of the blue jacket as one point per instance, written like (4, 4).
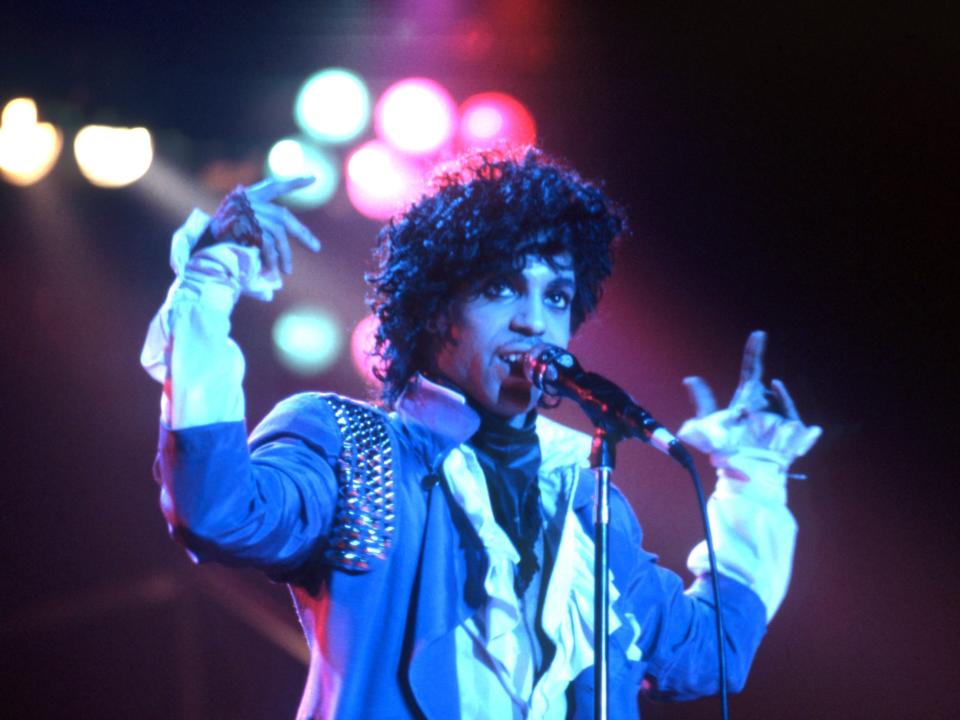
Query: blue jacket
(381, 641)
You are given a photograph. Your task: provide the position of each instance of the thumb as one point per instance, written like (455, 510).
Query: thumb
(700, 395)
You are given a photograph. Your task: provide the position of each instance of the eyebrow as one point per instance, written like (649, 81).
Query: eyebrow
(563, 281)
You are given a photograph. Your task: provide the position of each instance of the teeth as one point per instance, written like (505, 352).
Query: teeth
(512, 357)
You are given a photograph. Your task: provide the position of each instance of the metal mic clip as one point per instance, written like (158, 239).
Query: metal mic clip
(540, 367)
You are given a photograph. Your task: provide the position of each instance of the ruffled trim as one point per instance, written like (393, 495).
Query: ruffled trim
(568, 605)
(240, 264)
(762, 435)
(568, 608)
(494, 625)
(753, 530)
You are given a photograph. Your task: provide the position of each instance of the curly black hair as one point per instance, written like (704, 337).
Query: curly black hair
(486, 214)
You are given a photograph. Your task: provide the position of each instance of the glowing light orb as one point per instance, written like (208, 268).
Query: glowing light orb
(380, 181)
(493, 118)
(113, 157)
(28, 149)
(307, 340)
(416, 116)
(362, 342)
(291, 157)
(485, 123)
(333, 106)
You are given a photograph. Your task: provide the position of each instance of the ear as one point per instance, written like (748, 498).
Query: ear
(438, 326)
(444, 324)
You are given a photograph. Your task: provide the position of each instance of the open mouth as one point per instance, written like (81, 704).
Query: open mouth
(515, 363)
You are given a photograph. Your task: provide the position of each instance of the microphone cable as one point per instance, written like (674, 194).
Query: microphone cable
(714, 572)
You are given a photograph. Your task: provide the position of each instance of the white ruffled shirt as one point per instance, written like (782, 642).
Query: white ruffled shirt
(494, 663)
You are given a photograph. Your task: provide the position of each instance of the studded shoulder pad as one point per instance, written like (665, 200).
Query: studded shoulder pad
(363, 521)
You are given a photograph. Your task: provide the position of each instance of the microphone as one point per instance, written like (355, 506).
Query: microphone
(557, 372)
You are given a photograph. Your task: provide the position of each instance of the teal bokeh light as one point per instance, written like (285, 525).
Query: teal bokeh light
(333, 106)
(307, 339)
(292, 157)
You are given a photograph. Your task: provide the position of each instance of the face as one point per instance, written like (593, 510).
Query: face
(494, 327)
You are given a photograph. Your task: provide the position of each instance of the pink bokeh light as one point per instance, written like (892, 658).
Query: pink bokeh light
(416, 116)
(361, 345)
(494, 118)
(380, 181)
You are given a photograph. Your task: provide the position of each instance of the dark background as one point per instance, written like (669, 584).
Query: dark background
(783, 169)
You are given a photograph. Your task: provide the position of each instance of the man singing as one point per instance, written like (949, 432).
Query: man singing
(439, 543)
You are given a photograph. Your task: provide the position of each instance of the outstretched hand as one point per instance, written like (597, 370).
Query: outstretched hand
(249, 216)
(751, 395)
(749, 421)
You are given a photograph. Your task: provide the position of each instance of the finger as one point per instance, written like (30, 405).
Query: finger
(300, 231)
(752, 367)
(275, 237)
(789, 408)
(700, 395)
(293, 225)
(286, 256)
(272, 188)
(269, 254)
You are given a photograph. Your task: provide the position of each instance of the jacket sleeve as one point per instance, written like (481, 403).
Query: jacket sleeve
(268, 504)
(677, 632)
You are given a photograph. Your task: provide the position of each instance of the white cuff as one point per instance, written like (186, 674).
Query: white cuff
(754, 533)
(188, 346)
(766, 435)
(242, 264)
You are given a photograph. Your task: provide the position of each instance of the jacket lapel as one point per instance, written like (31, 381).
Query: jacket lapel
(445, 597)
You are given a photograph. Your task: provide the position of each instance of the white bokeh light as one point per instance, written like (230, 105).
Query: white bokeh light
(28, 148)
(113, 157)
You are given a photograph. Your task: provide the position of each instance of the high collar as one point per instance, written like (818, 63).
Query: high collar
(439, 419)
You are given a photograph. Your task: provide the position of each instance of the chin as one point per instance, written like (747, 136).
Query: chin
(516, 399)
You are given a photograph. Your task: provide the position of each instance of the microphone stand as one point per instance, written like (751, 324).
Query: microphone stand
(615, 415)
(602, 462)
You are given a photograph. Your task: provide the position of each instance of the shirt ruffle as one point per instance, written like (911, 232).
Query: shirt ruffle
(567, 617)
(568, 608)
(762, 435)
(240, 264)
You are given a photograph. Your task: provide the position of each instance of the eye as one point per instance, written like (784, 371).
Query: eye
(559, 299)
(497, 289)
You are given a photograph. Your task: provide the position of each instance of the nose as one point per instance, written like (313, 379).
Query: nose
(529, 318)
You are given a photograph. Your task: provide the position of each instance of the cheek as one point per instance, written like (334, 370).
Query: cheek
(559, 332)
(463, 360)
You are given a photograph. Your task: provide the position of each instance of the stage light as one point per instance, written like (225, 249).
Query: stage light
(362, 342)
(291, 157)
(380, 181)
(416, 116)
(333, 106)
(493, 118)
(28, 149)
(306, 339)
(113, 157)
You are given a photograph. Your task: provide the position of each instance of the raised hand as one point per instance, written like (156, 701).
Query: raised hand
(751, 395)
(248, 216)
(750, 420)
